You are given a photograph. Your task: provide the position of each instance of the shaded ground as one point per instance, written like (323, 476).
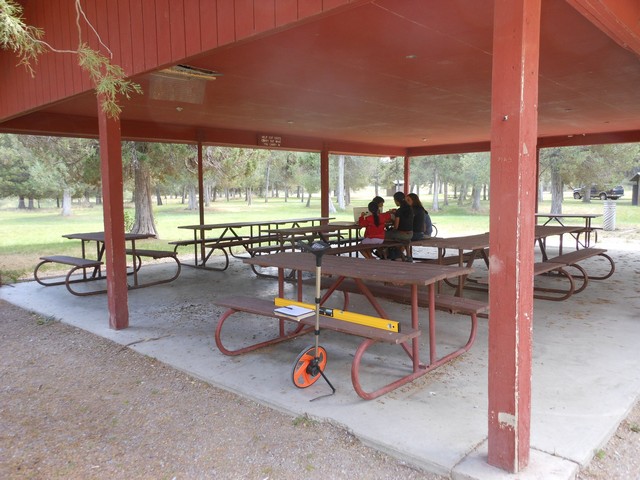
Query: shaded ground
(74, 405)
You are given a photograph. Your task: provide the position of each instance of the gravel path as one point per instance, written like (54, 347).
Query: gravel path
(77, 406)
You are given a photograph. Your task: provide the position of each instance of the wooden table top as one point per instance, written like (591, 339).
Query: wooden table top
(569, 215)
(375, 270)
(480, 241)
(467, 242)
(311, 229)
(99, 236)
(255, 223)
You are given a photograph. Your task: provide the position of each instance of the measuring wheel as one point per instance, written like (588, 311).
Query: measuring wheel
(309, 366)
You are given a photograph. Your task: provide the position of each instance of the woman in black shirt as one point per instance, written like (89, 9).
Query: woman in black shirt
(421, 220)
(402, 223)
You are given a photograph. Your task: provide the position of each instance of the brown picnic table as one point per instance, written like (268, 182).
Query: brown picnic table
(406, 275)
(472, 247)
(587, 229)
(91, 264)
(230, 236)
(330, 233)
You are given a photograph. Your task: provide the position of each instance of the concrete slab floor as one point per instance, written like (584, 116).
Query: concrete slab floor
(586, 367)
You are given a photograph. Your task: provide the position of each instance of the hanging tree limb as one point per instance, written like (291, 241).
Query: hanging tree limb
(26, 42)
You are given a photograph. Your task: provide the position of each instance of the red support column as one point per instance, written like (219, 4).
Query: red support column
(201, 195)
(113, 212)
(537, 177)
(407, 175)
(324, 183)
(200, 182)
(513, 193)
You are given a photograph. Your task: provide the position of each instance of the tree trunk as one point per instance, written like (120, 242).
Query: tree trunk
(462, 196)
(556, 191)
(207, 194)
(476, 193)
(158, 197)
(436, 187)
(21, 204)
(31, 206)
(308, 205)
(66, 203)
(340, 189)
(144, 222)
(266, 182)
(192, 198)
(249, 196)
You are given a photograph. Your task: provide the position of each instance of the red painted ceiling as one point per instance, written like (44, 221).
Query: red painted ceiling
(391, 73)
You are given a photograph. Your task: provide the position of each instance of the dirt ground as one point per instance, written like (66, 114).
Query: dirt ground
(77, 406)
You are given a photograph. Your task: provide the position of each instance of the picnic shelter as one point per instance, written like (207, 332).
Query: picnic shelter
(400, 78)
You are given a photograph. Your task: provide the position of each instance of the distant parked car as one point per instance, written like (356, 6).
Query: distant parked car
(600, 192)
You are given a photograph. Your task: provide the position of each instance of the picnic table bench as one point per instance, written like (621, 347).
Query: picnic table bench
(572, 259)
(264, 310)
(77, 263)
(558, 266)
(156, 255)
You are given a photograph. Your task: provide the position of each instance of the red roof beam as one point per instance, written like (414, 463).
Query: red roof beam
(619, 19)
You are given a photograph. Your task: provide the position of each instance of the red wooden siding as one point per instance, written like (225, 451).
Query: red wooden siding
(149, 44)
(226, 28)
(126, 36)
(163, 31)
(142, 35)
(286, 11)
(193, 44)
(136, 23)
(264, 16)
(208, 25)
(244, 18)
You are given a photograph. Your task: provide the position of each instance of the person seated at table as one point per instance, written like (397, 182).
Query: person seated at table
(380, 201)
(374, 223)
(422, 226)
(402, 230)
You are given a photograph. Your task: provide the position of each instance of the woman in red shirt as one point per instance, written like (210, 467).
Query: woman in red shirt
(374, 223)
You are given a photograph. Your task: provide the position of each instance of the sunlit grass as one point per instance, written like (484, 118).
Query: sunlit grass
(26, 235)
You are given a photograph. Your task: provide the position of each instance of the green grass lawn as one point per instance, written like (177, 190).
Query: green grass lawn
(27, 235)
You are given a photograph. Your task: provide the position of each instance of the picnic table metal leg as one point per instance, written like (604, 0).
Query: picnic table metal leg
(415, 322)
(543, 248)
(372, 300)
(418, 369)
(432, 321)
